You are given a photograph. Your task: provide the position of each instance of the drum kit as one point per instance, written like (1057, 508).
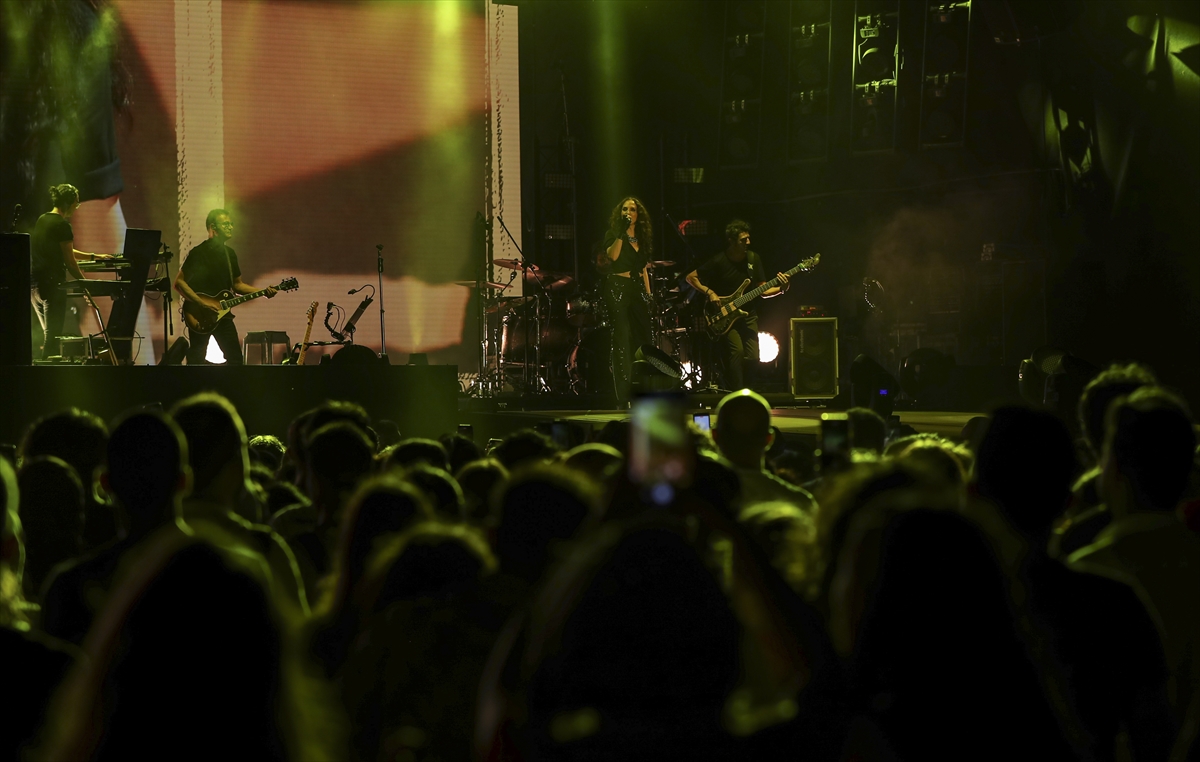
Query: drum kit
(556, 338)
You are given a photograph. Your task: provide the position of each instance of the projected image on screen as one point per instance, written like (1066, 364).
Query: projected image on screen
(326, 129)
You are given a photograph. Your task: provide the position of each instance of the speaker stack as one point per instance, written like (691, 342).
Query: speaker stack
(813, 373)
(15, 347)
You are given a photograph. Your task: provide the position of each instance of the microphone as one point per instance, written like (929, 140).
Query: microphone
(355, 290)
(350, 324)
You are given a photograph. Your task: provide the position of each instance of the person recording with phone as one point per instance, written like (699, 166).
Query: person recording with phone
(628, 246)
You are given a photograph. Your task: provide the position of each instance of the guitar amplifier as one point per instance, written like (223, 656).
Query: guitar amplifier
(813, 370)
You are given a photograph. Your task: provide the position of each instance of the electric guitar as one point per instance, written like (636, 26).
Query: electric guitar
(301, 349)
(200, 318)
(719, 318)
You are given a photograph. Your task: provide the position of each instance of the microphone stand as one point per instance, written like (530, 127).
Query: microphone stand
(382, 331)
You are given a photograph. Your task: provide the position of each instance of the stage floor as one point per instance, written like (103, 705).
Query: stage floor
(796, 421)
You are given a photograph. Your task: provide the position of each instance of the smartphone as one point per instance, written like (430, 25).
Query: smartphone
(560, 432)
(491, 445)
(834, 441)
(660, 449)
(702, 420)
(467, 430)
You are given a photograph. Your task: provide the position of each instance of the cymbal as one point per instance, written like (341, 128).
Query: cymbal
(549, 280)
(515, 264)
(482, 283)
(661, 263)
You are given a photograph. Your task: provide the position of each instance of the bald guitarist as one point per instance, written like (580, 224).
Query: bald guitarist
(723, 274)
(210, 268)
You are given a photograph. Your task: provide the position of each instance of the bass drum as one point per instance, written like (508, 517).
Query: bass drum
(586, 310)
(590, 363)
(520, 332)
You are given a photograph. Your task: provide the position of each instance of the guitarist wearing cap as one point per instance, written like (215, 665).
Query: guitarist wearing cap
(724, 274)
(210, 268)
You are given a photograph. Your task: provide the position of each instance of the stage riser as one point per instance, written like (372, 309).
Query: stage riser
(422, 400)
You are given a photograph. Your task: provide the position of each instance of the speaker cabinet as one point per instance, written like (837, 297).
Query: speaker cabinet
(813, 371)
(15, 348)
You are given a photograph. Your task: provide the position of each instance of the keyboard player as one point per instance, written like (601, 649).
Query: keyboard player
(54, 256)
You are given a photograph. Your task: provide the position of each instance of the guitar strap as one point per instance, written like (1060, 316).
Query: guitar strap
(228, 265)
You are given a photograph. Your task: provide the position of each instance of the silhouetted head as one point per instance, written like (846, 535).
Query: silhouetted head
(332, 411)
(920, 607)
(268, 450)
(443, 492)
(743, 431)
(216, 444)
(1113, 382)
(460, 450)
(600, 462)
(147, 468)
(185, 661)
(76, 436)
(479, 480)
(52, 517)
(615, 434)
(1149, 448)
(382, 506)
(1025, 463)
(410, 452)
(339, 457)
(868, 430)
(431, 560)
(524, 447)
(540, 505)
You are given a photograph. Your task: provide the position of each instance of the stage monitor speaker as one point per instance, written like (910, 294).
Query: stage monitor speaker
(813, 370)
(15, 346)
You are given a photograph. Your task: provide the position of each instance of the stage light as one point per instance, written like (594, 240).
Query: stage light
(687, 368)
(214, 354)
(768, 347)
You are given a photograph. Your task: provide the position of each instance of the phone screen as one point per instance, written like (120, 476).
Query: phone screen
(660, 451)
(560, 432)
(834, 440)
(703, 420)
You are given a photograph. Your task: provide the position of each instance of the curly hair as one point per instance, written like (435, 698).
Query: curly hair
(643, 228)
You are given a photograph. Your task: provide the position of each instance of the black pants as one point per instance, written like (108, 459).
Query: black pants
(630, 321)
(740, 352)
(50, 304)
(227, 339)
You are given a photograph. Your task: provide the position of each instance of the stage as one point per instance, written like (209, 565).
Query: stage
(424, 401)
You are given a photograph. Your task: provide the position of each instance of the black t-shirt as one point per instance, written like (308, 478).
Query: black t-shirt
(47, 267)
(629, 260)
(724, 275)
(208, 270)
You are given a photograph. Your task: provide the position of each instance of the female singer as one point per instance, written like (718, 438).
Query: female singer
(627, 248)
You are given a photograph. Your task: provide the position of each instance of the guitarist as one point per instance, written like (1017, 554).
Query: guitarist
(210, 268)
(720, 276)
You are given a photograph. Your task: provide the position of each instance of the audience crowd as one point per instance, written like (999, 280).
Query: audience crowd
(175, 587)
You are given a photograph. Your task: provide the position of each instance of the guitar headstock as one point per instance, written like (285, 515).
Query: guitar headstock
(810, 263)
(288, 284)
(312, 311)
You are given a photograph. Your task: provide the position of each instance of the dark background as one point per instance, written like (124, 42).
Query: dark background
(1116, 238)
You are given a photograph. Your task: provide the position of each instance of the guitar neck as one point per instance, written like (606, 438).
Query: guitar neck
(242, 299)
(754, 293)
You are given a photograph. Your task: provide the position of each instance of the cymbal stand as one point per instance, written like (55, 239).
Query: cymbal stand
(490, 379)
